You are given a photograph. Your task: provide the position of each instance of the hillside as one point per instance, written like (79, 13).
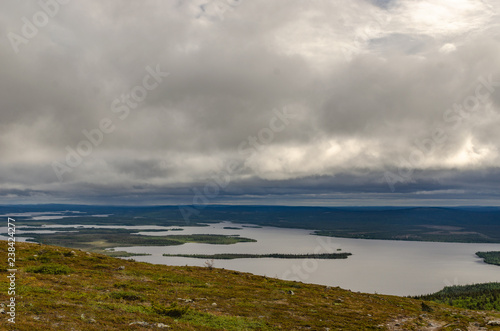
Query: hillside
(64, 289)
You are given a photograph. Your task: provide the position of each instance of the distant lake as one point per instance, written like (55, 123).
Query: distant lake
(381, 266)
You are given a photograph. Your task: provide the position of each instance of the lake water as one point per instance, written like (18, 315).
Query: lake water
(381, 266)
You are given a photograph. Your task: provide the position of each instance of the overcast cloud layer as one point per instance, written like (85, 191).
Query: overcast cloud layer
(293, 102)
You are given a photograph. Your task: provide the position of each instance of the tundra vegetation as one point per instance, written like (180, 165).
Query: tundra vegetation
(63, 289)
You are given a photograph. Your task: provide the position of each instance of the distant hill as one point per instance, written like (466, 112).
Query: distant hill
(63, 289)
(445, 224)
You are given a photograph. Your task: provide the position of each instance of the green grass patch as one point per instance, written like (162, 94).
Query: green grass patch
(50, 269)
(126, 295)
(174, 310)
(179, 278)
(222, 322)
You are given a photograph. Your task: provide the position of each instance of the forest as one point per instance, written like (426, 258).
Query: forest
(490, 257)
(477, 296)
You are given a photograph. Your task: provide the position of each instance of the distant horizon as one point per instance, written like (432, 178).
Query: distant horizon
(248, 205)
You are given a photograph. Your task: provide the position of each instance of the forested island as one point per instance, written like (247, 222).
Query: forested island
(490, 257)
(99, 239)
(231, 256)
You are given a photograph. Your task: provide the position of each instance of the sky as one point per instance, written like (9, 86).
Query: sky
(362, 102)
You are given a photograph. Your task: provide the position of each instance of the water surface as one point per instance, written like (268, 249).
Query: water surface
(382, 266)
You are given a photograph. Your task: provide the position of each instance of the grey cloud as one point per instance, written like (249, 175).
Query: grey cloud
(357, 115)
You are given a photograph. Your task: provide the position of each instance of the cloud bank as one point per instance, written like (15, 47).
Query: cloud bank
(370, 102)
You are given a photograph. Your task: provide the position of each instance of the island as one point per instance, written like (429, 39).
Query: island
(99, 239)
(231, 256)
(490, 257)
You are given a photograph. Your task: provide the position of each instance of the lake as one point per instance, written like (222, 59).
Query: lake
(376, 266)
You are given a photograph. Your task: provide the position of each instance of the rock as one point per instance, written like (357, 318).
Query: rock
(122, 267)
(2, 310)
(37, 318)
(88, 253)
(494, 323)
(291, 292)
(339, 300)
(140, 323)
(161, 325)
(214, 304)
(188, 300)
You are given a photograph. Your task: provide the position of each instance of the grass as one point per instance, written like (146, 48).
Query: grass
(50, 269)
(126, 295)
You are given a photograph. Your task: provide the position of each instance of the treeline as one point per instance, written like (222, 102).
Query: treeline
(478, 296)
(230, 256)
(490, 257)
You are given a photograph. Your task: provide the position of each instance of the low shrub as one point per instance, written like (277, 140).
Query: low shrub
(50, 269)
(129, 296)
(174, 310)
